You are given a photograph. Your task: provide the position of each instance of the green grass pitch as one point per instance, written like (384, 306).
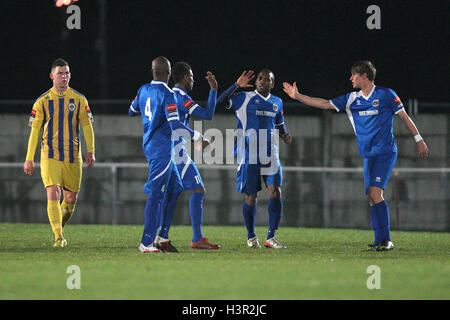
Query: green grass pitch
(318, 264)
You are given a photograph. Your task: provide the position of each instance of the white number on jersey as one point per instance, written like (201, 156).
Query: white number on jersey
(148, 110)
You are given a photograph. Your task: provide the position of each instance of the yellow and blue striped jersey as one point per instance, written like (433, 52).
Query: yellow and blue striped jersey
(61, 114)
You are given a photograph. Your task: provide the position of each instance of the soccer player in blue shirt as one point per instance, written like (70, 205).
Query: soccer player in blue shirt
(156, 103)
(191, 179)
(371, 112)
(259, 119)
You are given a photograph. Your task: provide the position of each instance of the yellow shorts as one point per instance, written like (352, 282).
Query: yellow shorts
(64, 174)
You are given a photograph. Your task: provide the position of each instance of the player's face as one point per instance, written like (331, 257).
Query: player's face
(356, 80)
(264, 83)
(189, 80)
(60, 77)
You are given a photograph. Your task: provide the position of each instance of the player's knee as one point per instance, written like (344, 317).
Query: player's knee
(275, 193)
(70, 197)
(200, 190)
(375, 195)
(250, 199)
(53, 193)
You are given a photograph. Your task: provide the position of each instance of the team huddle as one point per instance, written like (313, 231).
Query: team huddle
(166, 113)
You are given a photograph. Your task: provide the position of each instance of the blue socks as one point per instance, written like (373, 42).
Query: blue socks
(196, 212)
(152, 217)
(275, 212)
(382, 212)
(249, 213)
(167, 210)
(379, 217)
(375, 226)
(275, 209)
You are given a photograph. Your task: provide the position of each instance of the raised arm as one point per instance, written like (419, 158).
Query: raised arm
(421, 147)
(242, 82)
(292, 91)
(208, 112)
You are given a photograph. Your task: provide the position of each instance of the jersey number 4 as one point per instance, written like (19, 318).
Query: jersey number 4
(148, 110)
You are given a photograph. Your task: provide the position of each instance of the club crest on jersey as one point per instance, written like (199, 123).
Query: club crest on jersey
(71, 107)
(275, 107)
(375, 103)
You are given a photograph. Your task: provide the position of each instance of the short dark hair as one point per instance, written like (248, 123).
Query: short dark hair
(364, 66)
(179, 70)
(60, 62)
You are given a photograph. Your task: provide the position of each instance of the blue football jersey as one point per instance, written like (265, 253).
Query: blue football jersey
(257, 117)
(156, 103)
(372, 118)
(187, 106)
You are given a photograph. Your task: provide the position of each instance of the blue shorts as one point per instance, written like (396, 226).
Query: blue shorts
(190, 176)
(163, 178)
(378, 169)
(249, 177)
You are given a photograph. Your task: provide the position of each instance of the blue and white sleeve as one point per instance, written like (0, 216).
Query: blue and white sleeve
(394, 102)
(201, 112)
(134, 107)
(175, 123)
(340, 102)
(225, 97)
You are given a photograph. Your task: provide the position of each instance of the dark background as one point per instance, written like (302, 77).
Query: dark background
(311, 42)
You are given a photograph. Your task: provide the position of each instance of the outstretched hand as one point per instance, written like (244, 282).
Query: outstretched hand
(212, 80)
(291, 90)
(245, 78)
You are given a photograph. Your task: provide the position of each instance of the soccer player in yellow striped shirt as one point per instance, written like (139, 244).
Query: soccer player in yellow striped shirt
(59, 113)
